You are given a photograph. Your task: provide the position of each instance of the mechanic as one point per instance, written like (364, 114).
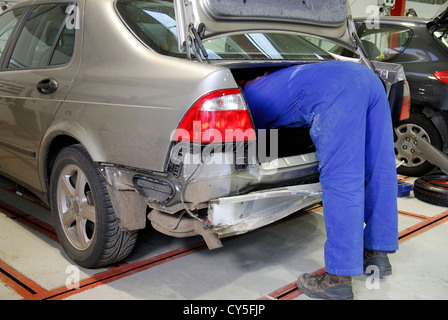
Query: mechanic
(347, 110)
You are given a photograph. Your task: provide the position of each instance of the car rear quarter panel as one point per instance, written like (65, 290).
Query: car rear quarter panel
(423, 56)
(126, 99)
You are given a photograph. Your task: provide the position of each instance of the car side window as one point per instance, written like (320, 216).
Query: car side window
(45, 39)
(8, 21)
(64, 47)
(153, 22)
(385, 43)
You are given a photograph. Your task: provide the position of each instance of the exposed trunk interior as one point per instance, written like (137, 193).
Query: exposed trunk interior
(291, 141)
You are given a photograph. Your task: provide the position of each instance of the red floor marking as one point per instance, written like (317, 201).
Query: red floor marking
(30, 290)
(290, 291)
(116, 273)
(412, 215)
(28, 220)
(31, 198)
(21, 284)
(423, 226)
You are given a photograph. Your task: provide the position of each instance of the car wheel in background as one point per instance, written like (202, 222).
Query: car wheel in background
(83, 215)
(405, 133)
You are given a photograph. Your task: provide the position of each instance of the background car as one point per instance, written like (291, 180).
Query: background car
(421, 47)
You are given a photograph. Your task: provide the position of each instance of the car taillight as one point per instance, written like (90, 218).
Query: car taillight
(219, 116)
(406, 105)
(442, 76)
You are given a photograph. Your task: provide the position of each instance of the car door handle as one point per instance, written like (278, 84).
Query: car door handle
(47, 86)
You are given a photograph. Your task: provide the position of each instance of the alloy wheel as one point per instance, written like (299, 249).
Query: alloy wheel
(75, 207)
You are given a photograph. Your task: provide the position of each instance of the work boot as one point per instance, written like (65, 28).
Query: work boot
(326, 286)
(378, 259)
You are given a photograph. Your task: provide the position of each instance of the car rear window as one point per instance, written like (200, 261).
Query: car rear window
(385, 43)
(154, 23)
(442, 36)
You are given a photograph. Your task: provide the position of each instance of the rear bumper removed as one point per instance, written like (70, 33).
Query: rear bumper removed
(235, 215)
(240, 214)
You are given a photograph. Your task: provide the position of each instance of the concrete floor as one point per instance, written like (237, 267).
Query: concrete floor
(258, 265)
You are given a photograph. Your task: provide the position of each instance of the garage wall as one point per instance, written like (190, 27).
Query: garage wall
(360, 7)
(6, 4)
(424, 10)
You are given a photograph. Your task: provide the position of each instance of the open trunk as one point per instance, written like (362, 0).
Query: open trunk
(291, 141)
(297, 141)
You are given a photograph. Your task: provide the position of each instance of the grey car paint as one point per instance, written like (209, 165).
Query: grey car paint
(321, 18)
(116, 98)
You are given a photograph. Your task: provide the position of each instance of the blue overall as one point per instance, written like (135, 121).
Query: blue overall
(347, 110)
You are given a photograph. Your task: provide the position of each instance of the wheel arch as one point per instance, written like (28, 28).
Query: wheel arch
(128, 206)
(62, 136)
(438, 120)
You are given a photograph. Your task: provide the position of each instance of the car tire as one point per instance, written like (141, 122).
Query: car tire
(416, 125)
(432, 188)
(83, 214)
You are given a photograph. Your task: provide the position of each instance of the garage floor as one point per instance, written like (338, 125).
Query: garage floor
(260, 265)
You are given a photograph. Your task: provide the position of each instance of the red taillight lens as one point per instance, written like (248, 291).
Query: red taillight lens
(442, 76)
(406, 105)
(219, 116)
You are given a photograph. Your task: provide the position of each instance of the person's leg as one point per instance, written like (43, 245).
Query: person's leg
(340, 101)
(381, 212)
(334, 98)
(351, 110)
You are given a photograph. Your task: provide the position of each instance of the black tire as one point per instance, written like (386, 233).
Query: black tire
(432, 188)
(405, 132)
(83, 214)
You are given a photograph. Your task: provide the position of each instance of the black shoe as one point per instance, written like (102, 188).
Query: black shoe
(326, 286)
(379, 260)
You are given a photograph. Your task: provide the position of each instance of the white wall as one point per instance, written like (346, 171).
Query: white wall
(359, 8)
(8, 4)
(423, 10)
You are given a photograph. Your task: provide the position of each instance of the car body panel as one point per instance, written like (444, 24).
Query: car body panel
(239, 214)
(421, 58)
(19, 97)
(145, 86)
(322, 18)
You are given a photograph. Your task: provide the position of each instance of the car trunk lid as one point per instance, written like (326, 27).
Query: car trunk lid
(201, 19)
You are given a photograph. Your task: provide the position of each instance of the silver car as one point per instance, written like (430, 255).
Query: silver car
(116, 111)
